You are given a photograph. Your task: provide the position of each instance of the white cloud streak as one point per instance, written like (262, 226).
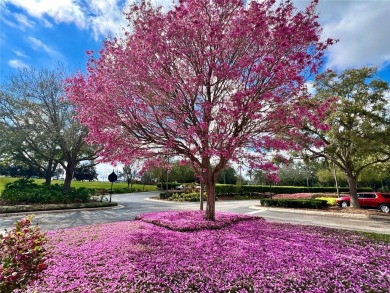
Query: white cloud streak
(19, 53)
(16, 63)
(23, 21)
(39, 45)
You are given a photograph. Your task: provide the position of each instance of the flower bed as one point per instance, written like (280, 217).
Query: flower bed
(305, 195)
(243, 256)
(192, 220)
(294, 196)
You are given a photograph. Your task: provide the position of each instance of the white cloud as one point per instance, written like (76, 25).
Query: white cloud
(106, 18)
(19, 53)
(67, 11)
(363, 27)
(105, 169)
(23, 21)
(15, 63)
(102, 17)
(46, 23)
(39, 45)
(363, 31)
(310, 87)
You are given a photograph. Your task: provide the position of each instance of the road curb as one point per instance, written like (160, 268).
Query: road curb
(321, 213)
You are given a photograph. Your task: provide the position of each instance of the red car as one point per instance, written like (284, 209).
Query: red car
(369, 200)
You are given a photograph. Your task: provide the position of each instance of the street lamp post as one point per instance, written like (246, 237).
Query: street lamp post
(112, 178)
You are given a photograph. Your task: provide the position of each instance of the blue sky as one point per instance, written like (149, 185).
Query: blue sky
(43, 33)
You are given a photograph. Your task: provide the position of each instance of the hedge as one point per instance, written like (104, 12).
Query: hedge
(26, 191)
(248, 189)
(295, 203)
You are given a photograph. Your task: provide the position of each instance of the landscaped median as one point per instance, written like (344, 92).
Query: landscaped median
(182, 252)
(51, 207)
(24, 195)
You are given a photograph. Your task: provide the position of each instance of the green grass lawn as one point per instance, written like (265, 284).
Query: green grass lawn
(4, 181)
(93, 184)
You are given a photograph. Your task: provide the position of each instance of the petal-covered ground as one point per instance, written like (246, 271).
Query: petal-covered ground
(246, 254)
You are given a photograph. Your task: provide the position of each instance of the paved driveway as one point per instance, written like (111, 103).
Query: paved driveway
(133, 204)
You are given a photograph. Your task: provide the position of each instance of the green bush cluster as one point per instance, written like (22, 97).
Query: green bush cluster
(22, 255)
(193, 196)
(250, 189)
(171, 185)
(118, 190)
(295, 203)
(167, 195)
(26, 191)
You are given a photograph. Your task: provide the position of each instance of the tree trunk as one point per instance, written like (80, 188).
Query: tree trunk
(69, 170)
(48, 178)
(201, 195)
(210, 190)
(352, 182)
(335, 180)
(50, 168)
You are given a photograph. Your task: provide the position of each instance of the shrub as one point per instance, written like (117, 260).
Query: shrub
(294, 196)
(193, 197)
(121, 190)
(25, 191)
(163, 185)
(225, 189)
(330, 200)
(295, 203)
(166, 195)
(22, 255)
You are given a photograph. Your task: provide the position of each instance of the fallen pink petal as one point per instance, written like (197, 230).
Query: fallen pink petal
(236, 253)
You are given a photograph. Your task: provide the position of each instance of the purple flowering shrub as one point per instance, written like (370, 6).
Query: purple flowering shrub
(243, 256)
(22, 255)
(192, 220)
(294, 196)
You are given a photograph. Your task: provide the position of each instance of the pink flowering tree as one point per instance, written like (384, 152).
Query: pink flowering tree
(210, 81)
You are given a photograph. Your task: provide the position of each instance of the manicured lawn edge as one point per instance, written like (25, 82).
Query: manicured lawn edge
(50, 207)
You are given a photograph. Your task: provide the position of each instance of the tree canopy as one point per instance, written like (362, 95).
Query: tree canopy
(39, 125)
(359, 122)
(208, 81)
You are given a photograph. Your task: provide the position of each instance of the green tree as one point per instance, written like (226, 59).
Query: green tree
(228, 176)
(85, 172)
(129, 172)
(147, 178)
(377, 175)
(182, 173)
(325, 176)
(40, 128)
(359, 122)
(297, 173)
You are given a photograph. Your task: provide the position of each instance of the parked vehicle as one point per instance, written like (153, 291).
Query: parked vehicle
(378, 200)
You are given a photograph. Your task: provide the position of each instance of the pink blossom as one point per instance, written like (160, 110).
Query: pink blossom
(245, 255)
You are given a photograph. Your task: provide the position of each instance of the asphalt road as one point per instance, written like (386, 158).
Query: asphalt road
(133, 204)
